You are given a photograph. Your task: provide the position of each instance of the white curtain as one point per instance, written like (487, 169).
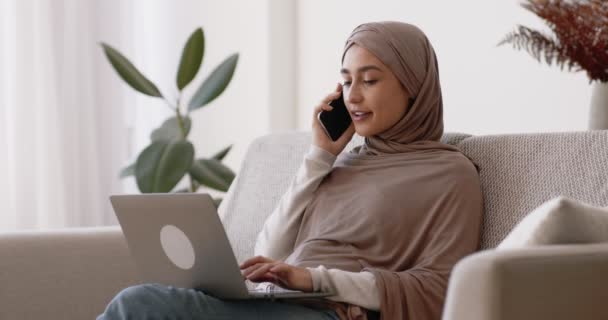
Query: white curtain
(64, 131)
(68, 124)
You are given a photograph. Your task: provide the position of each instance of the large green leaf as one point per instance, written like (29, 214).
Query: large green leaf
(222, 153)
(215, 84)
(129, 73)
(192, 57)
(170, 130)
(162, 165)
(127, 171)
(212, 173)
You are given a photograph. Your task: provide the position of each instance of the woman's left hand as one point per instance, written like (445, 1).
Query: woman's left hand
(261, 269)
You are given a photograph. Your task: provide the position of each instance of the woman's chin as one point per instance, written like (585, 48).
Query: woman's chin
(364, 131)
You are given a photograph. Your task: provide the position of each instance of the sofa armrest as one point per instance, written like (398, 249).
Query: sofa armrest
(62, 274)
(541, 283)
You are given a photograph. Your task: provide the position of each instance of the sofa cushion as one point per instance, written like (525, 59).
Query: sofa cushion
(520, 172)
(269, 167)
(69, 273)
(559, 221)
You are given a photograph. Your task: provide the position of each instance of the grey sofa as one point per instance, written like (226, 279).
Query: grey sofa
(73, 273)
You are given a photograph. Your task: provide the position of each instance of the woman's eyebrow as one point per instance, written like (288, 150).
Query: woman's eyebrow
(361, 69)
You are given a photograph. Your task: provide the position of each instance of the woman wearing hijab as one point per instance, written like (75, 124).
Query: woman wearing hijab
(380, 226)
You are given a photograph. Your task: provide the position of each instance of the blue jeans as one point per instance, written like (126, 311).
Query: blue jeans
(155, 301)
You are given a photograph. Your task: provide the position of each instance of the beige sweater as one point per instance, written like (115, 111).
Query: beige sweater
(277, 238)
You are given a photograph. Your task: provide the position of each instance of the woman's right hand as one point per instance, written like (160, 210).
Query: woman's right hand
(261, 269)
(319, 137)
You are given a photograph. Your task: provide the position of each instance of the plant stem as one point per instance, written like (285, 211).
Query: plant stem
(180, 122)
(192, 187)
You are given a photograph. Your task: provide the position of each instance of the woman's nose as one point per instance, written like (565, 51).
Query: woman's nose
(353, 95)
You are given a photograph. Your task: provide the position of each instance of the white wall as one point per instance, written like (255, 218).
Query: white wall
(241, 112)
(486, 89)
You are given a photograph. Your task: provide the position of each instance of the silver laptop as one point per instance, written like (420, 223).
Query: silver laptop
(178, 240)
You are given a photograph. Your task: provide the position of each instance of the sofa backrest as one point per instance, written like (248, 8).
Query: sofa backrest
(269, 166)
(519, 172)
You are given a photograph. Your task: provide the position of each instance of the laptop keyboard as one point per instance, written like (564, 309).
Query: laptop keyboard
(251, 286)
(265, 287)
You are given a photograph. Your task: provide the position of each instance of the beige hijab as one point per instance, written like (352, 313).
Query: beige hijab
(406, 51)
(403, 205)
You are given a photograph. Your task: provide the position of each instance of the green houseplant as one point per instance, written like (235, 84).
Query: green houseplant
(170, 155)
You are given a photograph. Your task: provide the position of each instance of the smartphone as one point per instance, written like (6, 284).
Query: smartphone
(336, 121)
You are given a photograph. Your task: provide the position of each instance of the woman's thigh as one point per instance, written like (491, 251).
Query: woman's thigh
(155, 301)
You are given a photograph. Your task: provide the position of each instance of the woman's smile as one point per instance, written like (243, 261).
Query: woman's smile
(360, 115)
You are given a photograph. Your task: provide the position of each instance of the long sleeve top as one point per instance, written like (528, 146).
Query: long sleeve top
(278, 236)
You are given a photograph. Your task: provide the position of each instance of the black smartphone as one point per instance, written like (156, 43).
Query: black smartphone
(336, 121)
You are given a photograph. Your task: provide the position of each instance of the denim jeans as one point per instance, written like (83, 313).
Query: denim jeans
(155, 301)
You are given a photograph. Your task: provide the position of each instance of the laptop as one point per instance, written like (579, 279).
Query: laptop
(177, 239)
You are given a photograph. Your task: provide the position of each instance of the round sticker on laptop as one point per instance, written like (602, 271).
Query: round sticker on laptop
(177, 246)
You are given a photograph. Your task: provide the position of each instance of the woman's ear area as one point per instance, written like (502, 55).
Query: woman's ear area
(410, 102)
(410, 98)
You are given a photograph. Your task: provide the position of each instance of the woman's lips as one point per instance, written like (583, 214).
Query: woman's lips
(360, 115)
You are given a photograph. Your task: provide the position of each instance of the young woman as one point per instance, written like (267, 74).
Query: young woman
(380, 226)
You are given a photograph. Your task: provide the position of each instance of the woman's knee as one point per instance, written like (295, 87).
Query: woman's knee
(136, 300)
(141, 293)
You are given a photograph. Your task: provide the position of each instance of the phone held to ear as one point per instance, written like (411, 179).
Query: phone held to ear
(336, 121)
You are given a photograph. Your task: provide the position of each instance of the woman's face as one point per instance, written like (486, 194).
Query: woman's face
(373, 95)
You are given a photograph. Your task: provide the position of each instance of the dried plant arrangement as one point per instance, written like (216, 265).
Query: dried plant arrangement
(579, 37)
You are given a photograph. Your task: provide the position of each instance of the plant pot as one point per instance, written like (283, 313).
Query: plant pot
(598, 111)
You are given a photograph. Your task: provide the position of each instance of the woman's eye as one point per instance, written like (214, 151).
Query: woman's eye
(366, 82)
